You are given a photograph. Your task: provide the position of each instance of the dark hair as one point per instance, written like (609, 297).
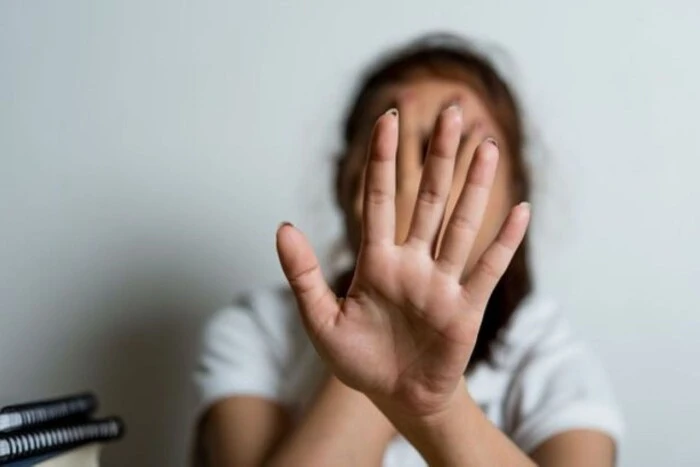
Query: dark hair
(449, 56)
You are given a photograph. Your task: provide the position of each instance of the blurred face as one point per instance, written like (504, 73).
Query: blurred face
(419, 102)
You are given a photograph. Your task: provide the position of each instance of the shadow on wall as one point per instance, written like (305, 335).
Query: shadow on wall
(140, 362)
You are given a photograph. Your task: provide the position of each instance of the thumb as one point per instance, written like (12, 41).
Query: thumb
(317, 302)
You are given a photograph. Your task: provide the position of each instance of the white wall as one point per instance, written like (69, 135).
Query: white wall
(149, 149)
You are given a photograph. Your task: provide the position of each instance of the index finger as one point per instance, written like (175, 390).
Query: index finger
(380, 181)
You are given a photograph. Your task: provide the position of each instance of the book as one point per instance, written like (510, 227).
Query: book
(38, 441)
(23, 416)
(87, 455)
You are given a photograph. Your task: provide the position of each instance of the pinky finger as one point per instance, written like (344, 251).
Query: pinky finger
(493, 263)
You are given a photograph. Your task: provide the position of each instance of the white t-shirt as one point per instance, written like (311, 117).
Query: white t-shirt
(542, 381)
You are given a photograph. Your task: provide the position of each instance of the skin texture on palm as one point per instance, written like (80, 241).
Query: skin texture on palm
(405, 331)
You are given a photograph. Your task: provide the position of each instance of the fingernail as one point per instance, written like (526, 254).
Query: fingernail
(393, 112)
(491, 140)
(455, 106)
(525, 205)
(285, 223)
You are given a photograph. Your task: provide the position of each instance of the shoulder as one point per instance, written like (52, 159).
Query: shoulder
(268, 313)
(537, 325)
(246, 347)
(557, 382)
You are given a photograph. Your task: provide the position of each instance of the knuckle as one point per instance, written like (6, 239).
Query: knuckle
(448, 265)
(440, 153)
(489, 269)
(378, 196)
(464, 223)
(430, 195)
(303, 281)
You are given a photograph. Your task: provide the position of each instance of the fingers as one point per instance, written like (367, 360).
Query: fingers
(317, 302)
(436, 180)
(409, 137)
(495, 260)
(380, 181)
(466, 219)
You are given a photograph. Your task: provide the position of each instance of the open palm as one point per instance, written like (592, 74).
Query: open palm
(407, 328)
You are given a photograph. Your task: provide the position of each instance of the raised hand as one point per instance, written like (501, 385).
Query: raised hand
(406, 330)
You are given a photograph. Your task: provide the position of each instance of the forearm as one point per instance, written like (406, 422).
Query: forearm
(342, 427)
(460, 436)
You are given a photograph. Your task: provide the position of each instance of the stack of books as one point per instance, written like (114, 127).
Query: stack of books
(55, 433)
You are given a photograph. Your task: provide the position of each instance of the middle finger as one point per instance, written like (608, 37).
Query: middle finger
(436, 179)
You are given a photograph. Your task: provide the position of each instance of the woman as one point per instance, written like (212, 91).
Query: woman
(434, 347)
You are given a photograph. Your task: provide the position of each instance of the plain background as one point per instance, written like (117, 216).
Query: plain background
(149, 149)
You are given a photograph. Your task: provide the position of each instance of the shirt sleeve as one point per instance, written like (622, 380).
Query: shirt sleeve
(560, 386)
(243, 352)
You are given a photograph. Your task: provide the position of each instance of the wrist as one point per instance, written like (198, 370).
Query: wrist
(357, 406)
(340, 427)
(435, 434)
(459, 434)
(423, 415)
